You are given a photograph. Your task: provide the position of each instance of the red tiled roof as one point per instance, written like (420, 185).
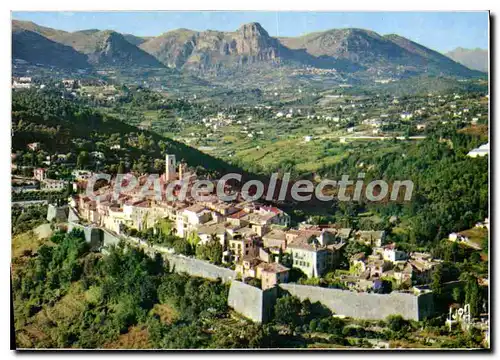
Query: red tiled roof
(272, 209)
(238, 215)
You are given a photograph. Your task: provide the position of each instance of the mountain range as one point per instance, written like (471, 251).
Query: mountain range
(347, 51)
(80, 48)
(476, 59)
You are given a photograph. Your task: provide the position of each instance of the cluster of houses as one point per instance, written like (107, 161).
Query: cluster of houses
(218, 121)
(239, 226)
(314, 71)
(374, 118)
(389, 262)
(46, 184)
(26, 82)
(40, 181)
(256, 238)
(23, 82)
(74, 87)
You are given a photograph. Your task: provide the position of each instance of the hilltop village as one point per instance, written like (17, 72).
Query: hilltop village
(118, 142)
(254, 239)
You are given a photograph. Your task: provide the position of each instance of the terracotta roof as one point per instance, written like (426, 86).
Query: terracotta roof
(258, 218)
(238, 215)
(143, 204)
(212, 229)
(272, 209)
(196, 208)
(233, 227)
(275, 234)
(422, 265)
(337, 246)
(303, 242)
(254, 261)
(273, 267)
(304, 232)
(133, 202)
(246, 231)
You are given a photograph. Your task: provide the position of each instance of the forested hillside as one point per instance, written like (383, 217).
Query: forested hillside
(450, 192)
(88, 301)
(65, 296)
(64, 126)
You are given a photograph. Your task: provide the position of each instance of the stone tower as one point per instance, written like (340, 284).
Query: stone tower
(180, 171)
(170, 173)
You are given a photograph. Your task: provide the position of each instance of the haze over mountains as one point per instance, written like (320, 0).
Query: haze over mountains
(354, 51)
(476, 59)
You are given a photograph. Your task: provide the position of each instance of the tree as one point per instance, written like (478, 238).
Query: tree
(211, 251)
(287, 311)
(396, 323)
(143, 142)
(69, 190)
(473, 295)
(355, 247)
(457, 295)
(181, 246)
(485, 244)
(451, 252)
(254, 282)
(313, 325)
(194, 239)
(331, 325)
(475, 258)
(121, 168)
(82, 160)
(159, 165)
(385, 287)
(437, 281)
(280, 255)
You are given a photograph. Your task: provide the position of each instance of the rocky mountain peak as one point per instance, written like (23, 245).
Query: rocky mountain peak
(252, 30)
(346, 50)
(252, 39)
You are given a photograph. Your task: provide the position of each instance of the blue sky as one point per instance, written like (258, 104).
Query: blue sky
(441, 31)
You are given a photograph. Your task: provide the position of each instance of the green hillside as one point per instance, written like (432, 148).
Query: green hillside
(63, 126)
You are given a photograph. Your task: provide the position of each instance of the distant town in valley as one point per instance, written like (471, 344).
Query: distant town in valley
(97, 268)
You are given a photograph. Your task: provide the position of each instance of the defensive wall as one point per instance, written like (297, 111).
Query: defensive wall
(253, 303)
(57, 213)
(199, 268)
(93, 235)
(364, 305)
(258, 305)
